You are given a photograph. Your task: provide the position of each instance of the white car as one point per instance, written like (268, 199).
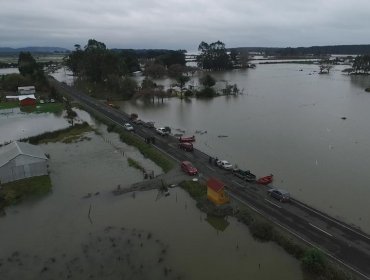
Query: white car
(128, 127)
(162, 131)
(224, 164)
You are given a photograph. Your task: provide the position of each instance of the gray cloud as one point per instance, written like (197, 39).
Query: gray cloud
(183, 24)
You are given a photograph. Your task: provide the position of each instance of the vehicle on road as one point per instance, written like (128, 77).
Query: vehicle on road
(128, 127)
(279, 194)
(138, 122)
(167, 129)
(187, 139)
(162, 131)
(244, 174)
(188, 168)
(265, 180)
(113, 105)
(186, 146)
(224, 164)
(149, 124)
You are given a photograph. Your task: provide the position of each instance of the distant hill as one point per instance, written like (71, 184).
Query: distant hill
(34, 50)
(315, 50)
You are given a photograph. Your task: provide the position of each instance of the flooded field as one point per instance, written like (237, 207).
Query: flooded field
(309, 130)
(82, 231)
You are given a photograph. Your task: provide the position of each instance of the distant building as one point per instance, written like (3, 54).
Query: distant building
(27, 100)
(26, 90)
(19, 160)
(216, 192)
(24, 100)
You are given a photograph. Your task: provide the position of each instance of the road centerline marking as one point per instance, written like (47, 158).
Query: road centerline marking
(278, 206)
(319, 229)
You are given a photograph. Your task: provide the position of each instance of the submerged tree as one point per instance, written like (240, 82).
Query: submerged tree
(325, 66)
(361, 64)
(208, 82)
(96, 63)
(213, 56)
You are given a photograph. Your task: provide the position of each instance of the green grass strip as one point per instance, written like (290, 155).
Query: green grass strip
(14, 192)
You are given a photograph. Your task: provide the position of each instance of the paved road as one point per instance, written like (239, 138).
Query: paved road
(340, 241)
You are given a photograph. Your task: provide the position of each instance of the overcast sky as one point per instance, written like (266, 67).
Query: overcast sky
(175, 24)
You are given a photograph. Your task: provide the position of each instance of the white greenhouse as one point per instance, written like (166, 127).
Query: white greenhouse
(19, 160)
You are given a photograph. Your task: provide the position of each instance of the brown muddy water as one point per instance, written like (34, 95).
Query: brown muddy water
(128, 237)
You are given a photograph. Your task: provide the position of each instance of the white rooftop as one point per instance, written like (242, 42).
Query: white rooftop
(14, 149)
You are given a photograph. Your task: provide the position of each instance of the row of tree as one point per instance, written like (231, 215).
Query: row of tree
(97, 63)
(214, 56)
(361, 64)
(30, 73)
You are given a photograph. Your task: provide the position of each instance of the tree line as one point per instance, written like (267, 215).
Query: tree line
(30, 73)
(361, 64)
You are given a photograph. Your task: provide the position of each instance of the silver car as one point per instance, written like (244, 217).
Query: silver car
(279, 194)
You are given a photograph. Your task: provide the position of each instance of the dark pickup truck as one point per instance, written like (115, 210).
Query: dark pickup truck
(244, 174)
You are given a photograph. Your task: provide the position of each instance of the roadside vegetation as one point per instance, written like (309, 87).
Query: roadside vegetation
(145, 149)
(14, 192)
(135, 164)
(314, 262)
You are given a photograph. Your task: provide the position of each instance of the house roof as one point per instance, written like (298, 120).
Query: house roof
(27, 88)
(14, 149)
(215, 184)
(22, 97)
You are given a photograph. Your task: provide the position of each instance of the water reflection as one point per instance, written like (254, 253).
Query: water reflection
(361, 81)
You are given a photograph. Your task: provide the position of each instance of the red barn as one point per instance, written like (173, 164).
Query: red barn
(27, 100)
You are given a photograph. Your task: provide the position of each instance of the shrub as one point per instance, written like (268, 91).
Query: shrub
(207, 92)
(245, 217)
(111, 127)
(289, 245)
(261, 230)
(314, 261)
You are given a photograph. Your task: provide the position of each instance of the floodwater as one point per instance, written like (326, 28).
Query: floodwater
(5, 71)
(311, 131)
(15, 124)
(133, 236)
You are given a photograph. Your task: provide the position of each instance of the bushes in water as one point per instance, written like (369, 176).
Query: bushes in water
(314, 261)
(54, 136)
(13, 192)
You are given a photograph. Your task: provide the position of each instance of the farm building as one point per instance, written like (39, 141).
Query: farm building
(216, 192)
(26, 90)
(20, 160)
(27, 100)
(24, 100)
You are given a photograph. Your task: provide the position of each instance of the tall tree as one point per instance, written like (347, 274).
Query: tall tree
(27, 64)
(213, 56)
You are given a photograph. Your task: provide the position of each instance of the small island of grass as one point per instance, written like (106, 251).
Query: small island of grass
(13, 192)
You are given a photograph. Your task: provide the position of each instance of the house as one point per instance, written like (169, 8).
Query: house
(216, 192)
(26, 90)
(27, 100)
(24, 100)
(19, 160)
